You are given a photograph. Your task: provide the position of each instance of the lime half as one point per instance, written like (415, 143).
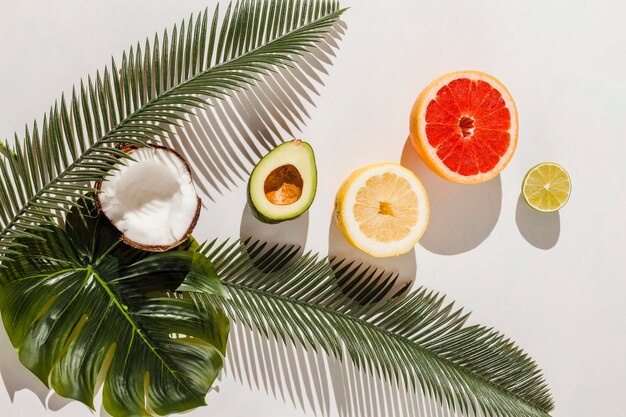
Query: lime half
(546, 187)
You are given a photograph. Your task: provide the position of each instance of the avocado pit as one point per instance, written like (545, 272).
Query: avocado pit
(283, 186)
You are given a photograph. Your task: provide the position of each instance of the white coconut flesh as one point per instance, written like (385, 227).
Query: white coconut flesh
(151, 199)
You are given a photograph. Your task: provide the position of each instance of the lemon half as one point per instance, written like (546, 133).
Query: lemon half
(382, 209)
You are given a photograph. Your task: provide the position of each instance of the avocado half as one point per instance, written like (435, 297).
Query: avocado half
(282, 186)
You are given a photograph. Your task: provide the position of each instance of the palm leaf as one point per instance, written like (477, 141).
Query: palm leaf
(420, 340)
(153, 88)
(75, 305)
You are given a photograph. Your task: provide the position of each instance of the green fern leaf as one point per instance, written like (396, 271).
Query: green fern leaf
(420, 340)
(155, 87)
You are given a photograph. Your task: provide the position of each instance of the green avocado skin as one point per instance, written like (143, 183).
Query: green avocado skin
(259, 216)
(256, 213)
(286, 146)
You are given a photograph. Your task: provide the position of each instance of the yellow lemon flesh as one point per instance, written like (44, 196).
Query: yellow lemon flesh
(546, 187)
(382, 209)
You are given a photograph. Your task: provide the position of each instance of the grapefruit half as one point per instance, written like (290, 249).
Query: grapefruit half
(464, 126)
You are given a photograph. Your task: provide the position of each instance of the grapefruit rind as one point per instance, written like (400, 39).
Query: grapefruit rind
(428, 153)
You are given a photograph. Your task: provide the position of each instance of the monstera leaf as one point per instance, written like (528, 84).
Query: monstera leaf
(79, 305)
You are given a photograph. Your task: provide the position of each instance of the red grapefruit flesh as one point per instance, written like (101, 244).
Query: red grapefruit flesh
(464, 126)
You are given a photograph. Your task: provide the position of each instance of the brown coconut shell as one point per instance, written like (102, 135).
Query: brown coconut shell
(129, 149)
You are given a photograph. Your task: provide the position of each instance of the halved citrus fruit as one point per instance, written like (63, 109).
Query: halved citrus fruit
(464, 126)
(546, 187)
(382, 209)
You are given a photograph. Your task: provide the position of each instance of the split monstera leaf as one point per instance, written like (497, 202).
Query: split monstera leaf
(78, 303)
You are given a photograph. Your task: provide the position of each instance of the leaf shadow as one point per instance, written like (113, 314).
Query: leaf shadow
(404, 267)
(305, 377)
(14, 375)
(318, 384)
(225, 139)
(292, 232)
(17, 378)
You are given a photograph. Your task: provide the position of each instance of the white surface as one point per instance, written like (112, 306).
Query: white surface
(553, 283)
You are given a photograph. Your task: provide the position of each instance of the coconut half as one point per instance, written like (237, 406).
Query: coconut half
(151, 199)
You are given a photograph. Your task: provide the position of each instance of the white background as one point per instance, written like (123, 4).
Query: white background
(554, 283)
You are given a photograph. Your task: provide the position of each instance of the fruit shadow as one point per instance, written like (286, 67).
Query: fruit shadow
(224, 140)
(291, 232)
(403, 266)
(321, 385)
(462, 216)
(541, 230)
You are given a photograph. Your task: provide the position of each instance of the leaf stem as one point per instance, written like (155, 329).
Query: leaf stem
(135, 328)
(113, 246)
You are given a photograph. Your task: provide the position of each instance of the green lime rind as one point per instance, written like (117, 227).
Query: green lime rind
(549, 210)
